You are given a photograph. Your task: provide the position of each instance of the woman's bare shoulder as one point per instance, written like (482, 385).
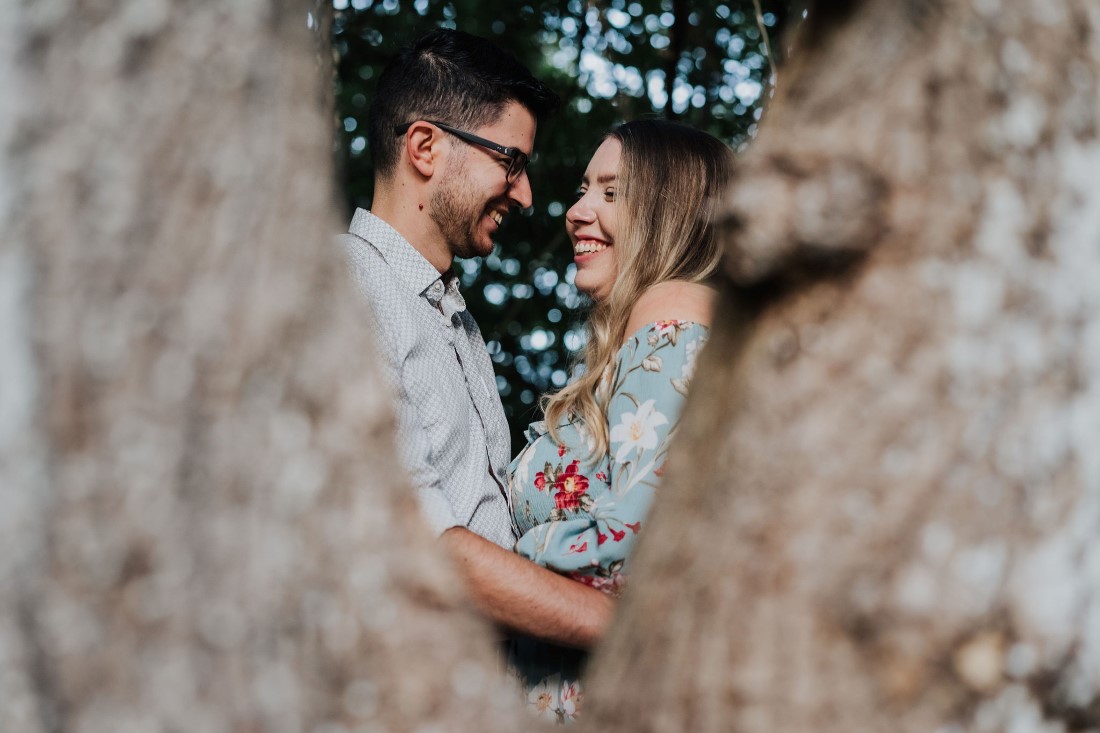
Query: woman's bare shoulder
(675, 300)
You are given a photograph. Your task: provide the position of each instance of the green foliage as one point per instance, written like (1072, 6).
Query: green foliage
(610, 61)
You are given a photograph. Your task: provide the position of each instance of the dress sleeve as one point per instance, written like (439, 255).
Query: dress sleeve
(648, 387)
(647, 397)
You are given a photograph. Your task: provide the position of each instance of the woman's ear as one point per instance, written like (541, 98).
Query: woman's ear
(421, 140)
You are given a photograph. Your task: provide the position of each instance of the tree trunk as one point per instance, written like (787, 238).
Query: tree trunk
(883, 511)
(202, 523)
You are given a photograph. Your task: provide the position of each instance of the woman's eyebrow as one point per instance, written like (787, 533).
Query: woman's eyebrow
(607, 178)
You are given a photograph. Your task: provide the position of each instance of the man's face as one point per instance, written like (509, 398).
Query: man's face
(474, 195)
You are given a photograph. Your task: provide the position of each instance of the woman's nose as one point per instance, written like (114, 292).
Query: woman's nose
(579, 212)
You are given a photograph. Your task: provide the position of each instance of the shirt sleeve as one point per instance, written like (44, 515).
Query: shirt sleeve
(592, 544)
(414, 448)
(413, 445)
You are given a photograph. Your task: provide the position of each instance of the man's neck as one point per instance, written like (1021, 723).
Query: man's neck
(403, 212)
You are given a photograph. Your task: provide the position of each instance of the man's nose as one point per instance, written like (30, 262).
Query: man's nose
(520, 191)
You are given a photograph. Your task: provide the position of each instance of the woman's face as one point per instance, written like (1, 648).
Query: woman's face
(593, 221)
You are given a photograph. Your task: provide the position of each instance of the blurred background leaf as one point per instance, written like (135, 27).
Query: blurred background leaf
(702, 63)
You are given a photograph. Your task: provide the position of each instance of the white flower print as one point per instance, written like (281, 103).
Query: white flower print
(690, 353)
(571, 696)
(652, 363)
(519, 478)
(664, 329)
(541, 698)
(680, 384)
(637, 430)
(589, 440)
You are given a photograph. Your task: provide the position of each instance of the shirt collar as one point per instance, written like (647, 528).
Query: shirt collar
(443, 294)
(410, 266)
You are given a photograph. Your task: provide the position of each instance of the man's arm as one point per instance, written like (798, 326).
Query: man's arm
(519, 595)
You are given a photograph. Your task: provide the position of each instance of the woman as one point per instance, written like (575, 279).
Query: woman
(643, 247)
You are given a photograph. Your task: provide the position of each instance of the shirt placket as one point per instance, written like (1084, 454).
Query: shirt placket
(475, 387)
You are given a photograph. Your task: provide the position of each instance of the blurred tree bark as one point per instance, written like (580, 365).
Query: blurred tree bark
(201, 523)
(884, 510)
(883, 513)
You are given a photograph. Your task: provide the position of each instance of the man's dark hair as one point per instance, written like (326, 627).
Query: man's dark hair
(453, 77)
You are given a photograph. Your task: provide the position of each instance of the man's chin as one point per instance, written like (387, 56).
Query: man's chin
(475, 248)
(481, 244)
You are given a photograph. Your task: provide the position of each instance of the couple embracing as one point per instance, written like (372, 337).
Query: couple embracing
(542, 541)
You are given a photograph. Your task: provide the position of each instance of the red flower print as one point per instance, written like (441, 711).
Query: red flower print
(612, 585)
(582, 548)
(540, 481)
(669, 329)
(634, 527)
(561, 451)
(602, 477)
(570, 485)
(618, 536)
(600, 538)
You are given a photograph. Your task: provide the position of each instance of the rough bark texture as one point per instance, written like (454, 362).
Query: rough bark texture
(202, 526)
(883, 513)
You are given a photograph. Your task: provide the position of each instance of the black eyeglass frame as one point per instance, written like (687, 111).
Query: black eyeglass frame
(517, 159)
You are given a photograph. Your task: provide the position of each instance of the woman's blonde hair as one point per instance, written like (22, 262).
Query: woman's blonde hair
(669, 178)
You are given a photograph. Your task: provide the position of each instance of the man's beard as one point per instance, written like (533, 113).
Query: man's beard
(457, 212)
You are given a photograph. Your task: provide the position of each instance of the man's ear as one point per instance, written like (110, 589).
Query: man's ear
(421, 145)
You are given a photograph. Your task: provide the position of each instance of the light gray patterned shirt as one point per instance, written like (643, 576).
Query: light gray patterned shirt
(452, 434)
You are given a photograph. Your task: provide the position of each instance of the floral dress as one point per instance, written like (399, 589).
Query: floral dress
(581, 518)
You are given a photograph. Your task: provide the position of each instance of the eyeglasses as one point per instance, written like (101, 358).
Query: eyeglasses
(517, 159)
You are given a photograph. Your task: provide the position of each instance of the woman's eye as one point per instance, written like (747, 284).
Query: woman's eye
(609, 194)
(579, 192)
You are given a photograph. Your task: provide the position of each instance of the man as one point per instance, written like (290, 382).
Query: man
(452, 126)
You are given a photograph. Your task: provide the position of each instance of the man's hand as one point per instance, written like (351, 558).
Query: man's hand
(524, 597)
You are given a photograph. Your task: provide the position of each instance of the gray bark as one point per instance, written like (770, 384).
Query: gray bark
(202, 525)
(884, 509)
(883, 513)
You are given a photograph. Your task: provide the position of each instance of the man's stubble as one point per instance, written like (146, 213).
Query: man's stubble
(456, 209)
